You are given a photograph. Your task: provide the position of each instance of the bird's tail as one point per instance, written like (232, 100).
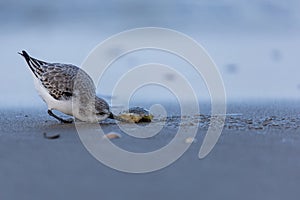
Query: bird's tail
(34, 64)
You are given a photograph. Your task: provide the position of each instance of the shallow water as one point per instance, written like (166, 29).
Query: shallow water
(254, 44)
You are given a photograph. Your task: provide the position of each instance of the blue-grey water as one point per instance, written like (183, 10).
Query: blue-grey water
(255, 44)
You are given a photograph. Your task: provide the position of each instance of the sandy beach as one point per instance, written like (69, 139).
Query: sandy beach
(256, 157)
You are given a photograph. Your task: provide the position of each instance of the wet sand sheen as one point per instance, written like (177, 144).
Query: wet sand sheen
(257, 156)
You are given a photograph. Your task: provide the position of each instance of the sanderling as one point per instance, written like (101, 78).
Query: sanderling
(55, 83)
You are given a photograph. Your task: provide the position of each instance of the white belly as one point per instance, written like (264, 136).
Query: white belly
(53, 104)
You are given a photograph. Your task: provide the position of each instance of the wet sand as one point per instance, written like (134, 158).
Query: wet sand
(256, 157)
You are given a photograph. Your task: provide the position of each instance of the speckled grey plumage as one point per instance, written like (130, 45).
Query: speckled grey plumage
(68, 83)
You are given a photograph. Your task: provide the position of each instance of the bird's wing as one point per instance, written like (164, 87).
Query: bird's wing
(58, 79)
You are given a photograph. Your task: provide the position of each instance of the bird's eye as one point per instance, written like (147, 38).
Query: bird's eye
(100, 113)
(68, 94)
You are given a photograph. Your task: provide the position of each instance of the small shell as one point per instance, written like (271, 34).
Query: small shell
(112, 135)
(51, 137)
(130, 117)
(190, 140)
(136, 115)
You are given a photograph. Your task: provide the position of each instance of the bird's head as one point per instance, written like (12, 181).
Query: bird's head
(101, 109)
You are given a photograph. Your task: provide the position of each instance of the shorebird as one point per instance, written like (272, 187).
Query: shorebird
(68, 89)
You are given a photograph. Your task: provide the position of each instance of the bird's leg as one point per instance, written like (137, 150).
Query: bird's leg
(60, 119)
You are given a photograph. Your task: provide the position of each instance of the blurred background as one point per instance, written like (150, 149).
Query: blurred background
(255, 44)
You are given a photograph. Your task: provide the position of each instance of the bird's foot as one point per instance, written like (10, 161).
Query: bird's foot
(69, 120)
